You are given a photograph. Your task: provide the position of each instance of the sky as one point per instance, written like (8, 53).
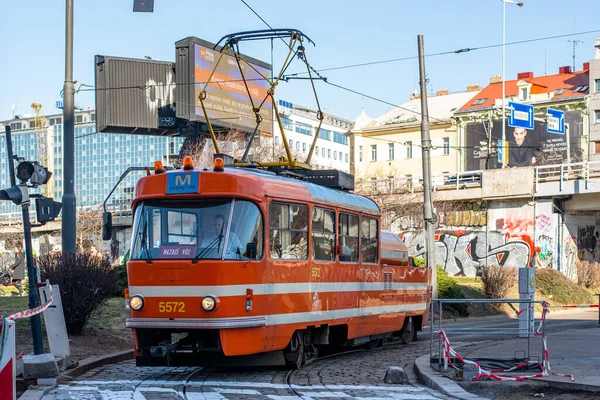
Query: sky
(346, 32)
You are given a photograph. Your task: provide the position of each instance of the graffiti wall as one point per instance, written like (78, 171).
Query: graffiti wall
(507, 240)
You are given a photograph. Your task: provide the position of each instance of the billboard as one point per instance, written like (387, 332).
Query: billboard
(525, 147)
(135, 96)
(227, 101)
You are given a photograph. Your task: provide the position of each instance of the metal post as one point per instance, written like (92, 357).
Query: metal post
(441, 310)
(503, 82)
(68, 199)
(426, 151)
(598, 308)
(34, 300)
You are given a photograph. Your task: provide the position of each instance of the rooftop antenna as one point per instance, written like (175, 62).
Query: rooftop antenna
(575, 43)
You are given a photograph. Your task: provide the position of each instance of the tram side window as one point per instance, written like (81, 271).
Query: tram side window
(348, 237)
(323, 234)
(289, 231)
(369, 238)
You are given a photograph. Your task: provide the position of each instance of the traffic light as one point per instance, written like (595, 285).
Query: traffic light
(46, 209)
(33, 172)
(17, 194)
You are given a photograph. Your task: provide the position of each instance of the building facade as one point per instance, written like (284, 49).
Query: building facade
(100, 158)
(300, 124)
(594, 117)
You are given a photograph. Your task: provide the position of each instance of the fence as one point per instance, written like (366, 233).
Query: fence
(438, 304)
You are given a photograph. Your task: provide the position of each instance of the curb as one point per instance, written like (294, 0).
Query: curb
(435, 380)
(37, 392)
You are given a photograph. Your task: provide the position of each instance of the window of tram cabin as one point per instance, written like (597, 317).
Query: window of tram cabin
(288, 225)
(369, 239)
(348, 237)
(323, 234)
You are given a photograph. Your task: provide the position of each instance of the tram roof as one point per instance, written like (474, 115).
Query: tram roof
(321, 194)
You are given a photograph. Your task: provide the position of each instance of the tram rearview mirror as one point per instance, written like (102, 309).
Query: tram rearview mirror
(106, 226)
(251, 250)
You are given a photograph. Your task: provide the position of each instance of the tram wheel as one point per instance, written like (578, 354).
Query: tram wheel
(408, 334)
(294, 353)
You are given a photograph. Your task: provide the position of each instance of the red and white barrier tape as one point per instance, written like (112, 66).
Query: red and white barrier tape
(449, 352)
(579, 306)
(34, 311)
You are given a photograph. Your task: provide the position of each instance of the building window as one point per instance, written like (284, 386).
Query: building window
(597, 85)
(32, 124)
(291, 144)
(360, 153)
(373, 152)
(340, 138)
(286, 123)
(78, 118)
(390, 151)
(93, 117)
(324, 134)
(297, 146)
(335, 155)
(409, 149)
(597, 147)
(304, 147)
(346, 157)
(16, 125)
(276, 139)
(597, 117)
(323, 152)
(446, 146)
(328, 153)
(304, 129)
(524, 92)
(317, 150)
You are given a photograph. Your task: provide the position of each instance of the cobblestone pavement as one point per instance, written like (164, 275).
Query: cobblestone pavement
(354, 375)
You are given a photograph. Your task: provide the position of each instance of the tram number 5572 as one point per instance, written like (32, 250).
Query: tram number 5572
(171, 306)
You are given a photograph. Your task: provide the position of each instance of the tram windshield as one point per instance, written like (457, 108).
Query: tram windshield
(226, 229)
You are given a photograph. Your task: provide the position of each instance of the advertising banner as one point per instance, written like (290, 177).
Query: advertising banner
(525, 147)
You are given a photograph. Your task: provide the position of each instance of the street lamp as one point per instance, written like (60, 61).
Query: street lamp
(520, 4)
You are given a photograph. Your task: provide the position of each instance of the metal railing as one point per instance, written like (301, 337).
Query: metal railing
(414, 183)
(567, 172)
(437, 305)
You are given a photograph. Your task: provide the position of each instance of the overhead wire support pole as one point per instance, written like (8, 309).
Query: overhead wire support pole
(69, 209)
(429, 221)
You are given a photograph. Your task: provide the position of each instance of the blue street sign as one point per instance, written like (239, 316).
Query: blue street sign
(556, 121)
(502, 152)
(59, 104)
(521, 115)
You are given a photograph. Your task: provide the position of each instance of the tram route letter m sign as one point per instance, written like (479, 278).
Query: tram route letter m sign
(182, 183)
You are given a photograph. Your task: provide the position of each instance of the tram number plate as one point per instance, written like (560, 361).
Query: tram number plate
(171, 306)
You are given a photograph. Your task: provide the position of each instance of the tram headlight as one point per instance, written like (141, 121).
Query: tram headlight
(136, 302)
(209, 303)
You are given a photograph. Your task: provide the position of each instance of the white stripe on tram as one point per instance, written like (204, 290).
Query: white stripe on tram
(272, 288)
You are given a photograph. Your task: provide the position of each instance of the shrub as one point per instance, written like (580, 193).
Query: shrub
(588, 274)
(449, 289)
(551, 282)
(497, 281)
(418, 261)
(122, 275)
(85, 282)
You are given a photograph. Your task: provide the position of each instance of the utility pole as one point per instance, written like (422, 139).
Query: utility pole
(429, 220)
(68, 199)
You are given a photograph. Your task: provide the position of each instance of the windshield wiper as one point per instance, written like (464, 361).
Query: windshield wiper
(144, 243)
(210, 246)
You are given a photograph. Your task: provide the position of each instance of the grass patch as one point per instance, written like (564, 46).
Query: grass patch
(563, 291)
(111, 314)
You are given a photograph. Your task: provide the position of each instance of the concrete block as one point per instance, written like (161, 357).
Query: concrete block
(47, 381)
(470, 371)
(40, 366)
(396, 375)
(19, 368)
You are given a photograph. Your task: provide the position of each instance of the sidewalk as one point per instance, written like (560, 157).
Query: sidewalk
(575, 352)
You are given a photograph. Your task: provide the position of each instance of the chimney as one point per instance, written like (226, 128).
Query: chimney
(442, 92)
(415, 96)
(586, 66)
(473, 88)
(524, 75)
(564, 70)
(496, 79)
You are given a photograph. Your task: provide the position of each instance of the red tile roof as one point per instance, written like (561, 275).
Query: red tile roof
(540, 84)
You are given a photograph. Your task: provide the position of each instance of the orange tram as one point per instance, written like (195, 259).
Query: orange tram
(236, 264)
